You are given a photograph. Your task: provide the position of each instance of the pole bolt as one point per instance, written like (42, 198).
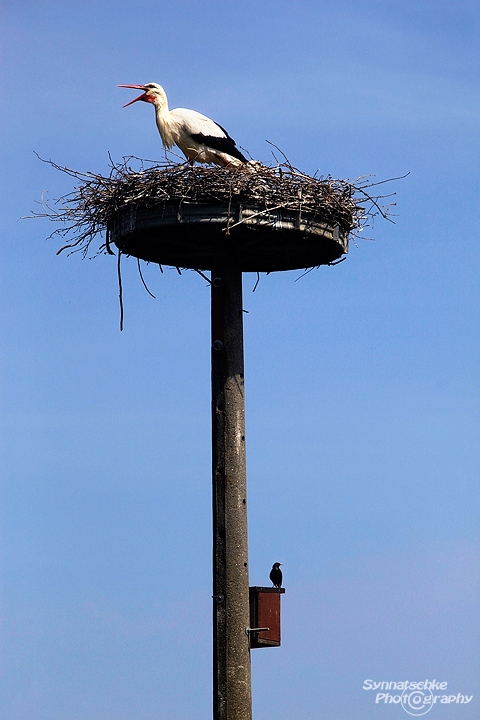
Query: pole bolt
(217, 282)
(217, 345)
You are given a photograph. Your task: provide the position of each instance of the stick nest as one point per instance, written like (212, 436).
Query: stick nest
(87, 210)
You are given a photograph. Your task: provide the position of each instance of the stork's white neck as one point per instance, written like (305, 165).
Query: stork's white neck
(167, 127)
(159, 99)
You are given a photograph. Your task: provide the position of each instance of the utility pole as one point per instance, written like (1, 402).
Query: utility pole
(232, 693)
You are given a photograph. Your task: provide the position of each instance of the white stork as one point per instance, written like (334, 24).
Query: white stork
(199, 138)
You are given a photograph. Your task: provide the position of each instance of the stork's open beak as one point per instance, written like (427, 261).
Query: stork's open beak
(135, 87)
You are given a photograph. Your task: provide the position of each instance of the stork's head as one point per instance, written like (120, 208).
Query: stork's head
(152, 93)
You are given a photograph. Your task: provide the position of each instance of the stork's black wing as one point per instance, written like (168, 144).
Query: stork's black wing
(223, 144)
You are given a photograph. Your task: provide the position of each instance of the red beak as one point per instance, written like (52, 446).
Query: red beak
(135, 87)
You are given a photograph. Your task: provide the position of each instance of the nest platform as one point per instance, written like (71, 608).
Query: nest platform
(192, 234)
(256, 217)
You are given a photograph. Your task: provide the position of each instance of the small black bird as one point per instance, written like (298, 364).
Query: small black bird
(276, 575)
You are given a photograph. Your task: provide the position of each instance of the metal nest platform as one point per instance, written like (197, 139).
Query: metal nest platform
(256, 217)
(191, 234)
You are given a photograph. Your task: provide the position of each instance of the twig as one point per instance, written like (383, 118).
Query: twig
(143, 281)
(261, 212)
(120, 288)
(204, 276)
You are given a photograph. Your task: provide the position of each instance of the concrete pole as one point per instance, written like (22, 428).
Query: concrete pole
(232, 693)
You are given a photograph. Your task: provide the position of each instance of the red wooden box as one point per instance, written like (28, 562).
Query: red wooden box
(265, 613)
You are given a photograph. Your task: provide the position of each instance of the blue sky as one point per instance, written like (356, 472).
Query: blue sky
(361, 379)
